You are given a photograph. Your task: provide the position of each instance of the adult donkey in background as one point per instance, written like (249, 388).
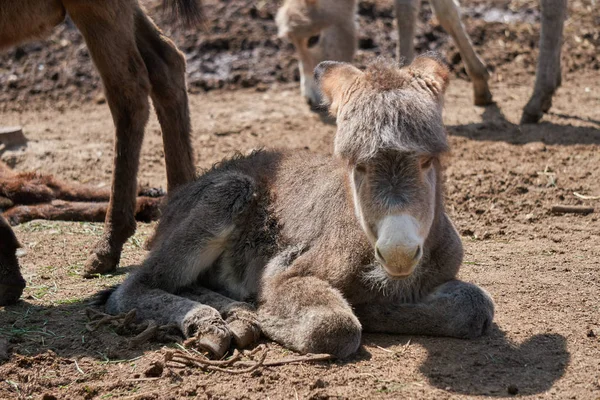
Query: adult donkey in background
(324, 246)
(135, 60)
(326, 30)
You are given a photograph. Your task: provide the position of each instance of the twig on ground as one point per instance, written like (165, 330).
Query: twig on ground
(179, 359)
(98, 319)
(78, 369)
(148, 334)
(560, 209)
(585, 197)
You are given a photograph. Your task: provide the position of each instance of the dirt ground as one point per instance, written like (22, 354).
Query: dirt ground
(541, 269)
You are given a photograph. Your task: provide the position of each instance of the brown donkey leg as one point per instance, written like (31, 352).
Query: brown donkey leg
(166, 69)
(108, 28)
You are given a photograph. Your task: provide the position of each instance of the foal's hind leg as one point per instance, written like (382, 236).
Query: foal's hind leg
(108, 29)
(241, 317)
(449, 15)
(166, 69)
(548, 76)
(193, 318)
(456, 309)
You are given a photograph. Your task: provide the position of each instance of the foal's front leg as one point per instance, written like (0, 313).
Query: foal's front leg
(307, 314)
(455, 309)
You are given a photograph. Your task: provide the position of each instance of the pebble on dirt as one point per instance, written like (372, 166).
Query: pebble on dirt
(155, 370)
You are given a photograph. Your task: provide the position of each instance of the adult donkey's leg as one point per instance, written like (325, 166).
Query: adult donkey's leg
(11, 281)
(166, 69)
(108, 29)
(449, 15)
(455, 309)
(548, 75)
(407, 14)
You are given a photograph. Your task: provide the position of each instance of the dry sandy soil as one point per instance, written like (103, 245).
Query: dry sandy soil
(542, 269)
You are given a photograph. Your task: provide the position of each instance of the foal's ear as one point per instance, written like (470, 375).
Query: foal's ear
(433, 68)
(333, 78)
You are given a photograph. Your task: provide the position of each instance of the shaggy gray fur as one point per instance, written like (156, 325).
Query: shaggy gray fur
(271, 241)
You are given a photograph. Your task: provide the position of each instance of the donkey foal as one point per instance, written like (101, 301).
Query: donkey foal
(314, 249)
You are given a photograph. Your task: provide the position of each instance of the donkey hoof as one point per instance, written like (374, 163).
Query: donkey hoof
(214, 343)
(530, 118)
(10, 294)
(245, 333)
(483, 97)
(99, 263)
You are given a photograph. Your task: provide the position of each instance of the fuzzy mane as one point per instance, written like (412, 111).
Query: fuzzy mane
(399, 109)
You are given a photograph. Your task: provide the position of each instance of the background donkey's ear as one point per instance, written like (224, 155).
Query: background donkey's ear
(432, 66)
(333, 78)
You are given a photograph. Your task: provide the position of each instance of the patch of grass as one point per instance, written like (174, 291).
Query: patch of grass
(40, 291)
(66, 301)
(89, 228)
(40, 226)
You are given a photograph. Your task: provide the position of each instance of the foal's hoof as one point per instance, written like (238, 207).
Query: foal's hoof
(10, 294)
(216, 343)
(245, 333)
(99, 263)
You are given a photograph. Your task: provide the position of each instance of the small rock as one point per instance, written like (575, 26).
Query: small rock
(530, 217)
(591, 334)
(535, 147)
(512, 390)
(155, 370)
(100, 99)
(318, 384)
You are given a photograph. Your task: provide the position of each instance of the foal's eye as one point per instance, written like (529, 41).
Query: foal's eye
(426, 162)
(313, 40)
(360, 169)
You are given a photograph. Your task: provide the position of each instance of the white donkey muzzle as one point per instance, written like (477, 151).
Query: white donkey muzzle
(399, 246)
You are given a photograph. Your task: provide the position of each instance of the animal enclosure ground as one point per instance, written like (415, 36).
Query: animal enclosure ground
(542, 269)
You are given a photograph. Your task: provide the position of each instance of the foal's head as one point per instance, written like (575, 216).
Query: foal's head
(391, 134)
(320, 30)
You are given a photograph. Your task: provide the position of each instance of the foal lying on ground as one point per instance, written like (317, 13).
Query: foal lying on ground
(324, 247)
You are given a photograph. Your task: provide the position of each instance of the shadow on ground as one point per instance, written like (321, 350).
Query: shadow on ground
(490, 365)
(495, 127)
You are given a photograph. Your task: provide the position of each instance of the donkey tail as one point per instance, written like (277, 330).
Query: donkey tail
(189, 11)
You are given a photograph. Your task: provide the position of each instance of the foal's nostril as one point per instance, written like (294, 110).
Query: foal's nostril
(417, 253)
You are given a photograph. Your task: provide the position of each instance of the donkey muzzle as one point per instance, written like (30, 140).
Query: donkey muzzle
(399, 247)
